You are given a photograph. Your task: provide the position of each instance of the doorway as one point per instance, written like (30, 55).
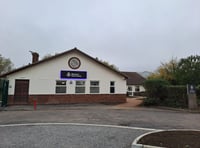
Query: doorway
(21, 91)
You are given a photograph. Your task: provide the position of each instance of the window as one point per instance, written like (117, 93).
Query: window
(130, 88)
(137, 88)
(130, 91)
(112, 87)
(80, 87)
(94, 86)
(61, 86)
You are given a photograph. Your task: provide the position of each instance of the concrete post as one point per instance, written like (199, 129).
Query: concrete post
(192, 101)
(192, 98)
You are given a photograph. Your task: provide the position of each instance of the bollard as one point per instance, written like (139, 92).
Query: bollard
(35, 104)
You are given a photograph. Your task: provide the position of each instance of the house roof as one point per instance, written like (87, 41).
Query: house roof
(59, 55)
(134, 78)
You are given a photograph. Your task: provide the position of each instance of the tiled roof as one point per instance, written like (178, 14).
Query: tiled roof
(59, 55)
(134, 78)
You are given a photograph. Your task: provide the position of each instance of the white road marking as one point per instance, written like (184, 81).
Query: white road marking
(79, 124)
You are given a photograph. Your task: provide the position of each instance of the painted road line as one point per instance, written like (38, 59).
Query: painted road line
(79, 124)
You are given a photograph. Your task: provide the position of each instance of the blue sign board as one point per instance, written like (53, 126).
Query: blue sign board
(191, 89)
(64, 74)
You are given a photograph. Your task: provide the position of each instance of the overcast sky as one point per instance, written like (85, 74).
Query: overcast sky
(134, 35)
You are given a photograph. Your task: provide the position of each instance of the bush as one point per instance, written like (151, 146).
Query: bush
(159, 92)
(151, 102)
(177, 96)
(139, 93)
(198, 93)
(156, 88)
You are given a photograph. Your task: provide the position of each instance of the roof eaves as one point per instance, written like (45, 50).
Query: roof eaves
(34, 64)
(58, 55)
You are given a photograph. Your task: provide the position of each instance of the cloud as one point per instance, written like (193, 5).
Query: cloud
(133, 35)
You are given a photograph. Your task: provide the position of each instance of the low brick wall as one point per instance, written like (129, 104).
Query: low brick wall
(72, 98)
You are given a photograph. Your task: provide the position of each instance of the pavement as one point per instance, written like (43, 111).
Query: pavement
(131, 102)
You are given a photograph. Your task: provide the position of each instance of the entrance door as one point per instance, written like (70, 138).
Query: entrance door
(21, 91)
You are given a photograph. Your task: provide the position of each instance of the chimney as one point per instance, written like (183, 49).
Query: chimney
(35, 57)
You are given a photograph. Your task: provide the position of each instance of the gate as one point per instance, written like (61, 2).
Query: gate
(3, 92)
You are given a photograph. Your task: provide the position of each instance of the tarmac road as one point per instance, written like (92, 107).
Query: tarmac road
(102, 114)
(67, 136)
(86, 136)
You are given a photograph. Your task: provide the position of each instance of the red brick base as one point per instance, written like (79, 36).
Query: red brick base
(74, 98)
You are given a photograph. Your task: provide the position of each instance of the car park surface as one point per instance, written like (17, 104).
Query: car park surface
(75, 125)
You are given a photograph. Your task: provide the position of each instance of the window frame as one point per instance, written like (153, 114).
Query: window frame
(61, 84)
(79, 86)
(137, 88)
(112, 87)
(95, 86)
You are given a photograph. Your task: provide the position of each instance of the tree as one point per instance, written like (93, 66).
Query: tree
(188, 70)
(108, 64)
(166, 71)
(5, 65)
(46, 56)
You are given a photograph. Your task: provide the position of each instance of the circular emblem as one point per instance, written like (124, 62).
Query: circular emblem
(74, 63)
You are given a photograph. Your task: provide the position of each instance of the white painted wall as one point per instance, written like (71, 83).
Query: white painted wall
(43, 76)
(142, 89)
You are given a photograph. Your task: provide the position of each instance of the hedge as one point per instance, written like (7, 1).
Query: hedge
(156, 88)
(175, 96)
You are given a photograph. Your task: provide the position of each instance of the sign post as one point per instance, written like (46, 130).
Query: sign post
(192, 98)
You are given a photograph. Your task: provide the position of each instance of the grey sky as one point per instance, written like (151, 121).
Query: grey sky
(135, 35)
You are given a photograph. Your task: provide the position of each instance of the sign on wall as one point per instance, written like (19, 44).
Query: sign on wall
(74, 63)
(191, 89)
(73, 74)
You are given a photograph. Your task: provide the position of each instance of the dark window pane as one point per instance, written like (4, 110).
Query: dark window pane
(60, 89)
(130, 88)
(129, 93)
(60, 82)
(80, 83)
(112, 89)
(112, 83)
(94, 89)
(80, 90)
(137, 88)
(94, 83)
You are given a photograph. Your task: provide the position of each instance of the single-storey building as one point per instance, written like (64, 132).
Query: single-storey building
(134, 83)
(68, 77)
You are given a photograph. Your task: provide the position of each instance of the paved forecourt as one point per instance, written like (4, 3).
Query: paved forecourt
(70, 135)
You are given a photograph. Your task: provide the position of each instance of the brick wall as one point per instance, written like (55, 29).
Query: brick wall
(75, 98)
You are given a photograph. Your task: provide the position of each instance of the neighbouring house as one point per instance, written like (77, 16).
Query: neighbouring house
(68, 77)
(134, 83)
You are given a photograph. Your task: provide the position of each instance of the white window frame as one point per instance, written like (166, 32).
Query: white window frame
(112, 87)
(79, 86)
(95, 87)
(137, 88)
(61, 84)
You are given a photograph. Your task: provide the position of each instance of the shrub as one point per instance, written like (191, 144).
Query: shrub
(198, 93)
(159, 92)
(139, 93)
(151, 101)
(156, 88)
(177, 96)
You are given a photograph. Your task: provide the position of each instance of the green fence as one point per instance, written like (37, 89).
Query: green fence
(3, 92)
